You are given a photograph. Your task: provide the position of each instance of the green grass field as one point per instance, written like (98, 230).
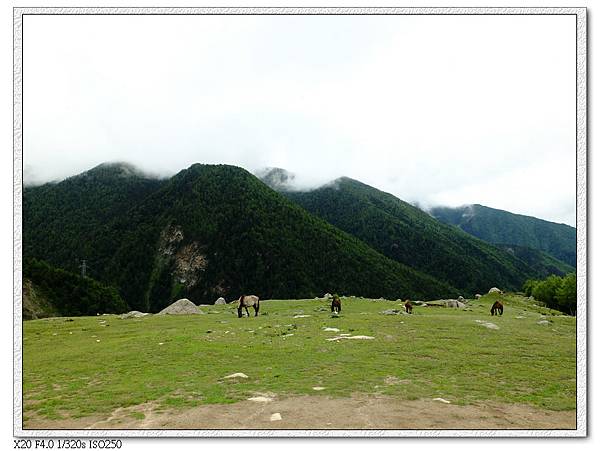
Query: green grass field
(83, 366)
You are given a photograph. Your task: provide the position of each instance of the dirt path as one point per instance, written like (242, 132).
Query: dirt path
(319, 412)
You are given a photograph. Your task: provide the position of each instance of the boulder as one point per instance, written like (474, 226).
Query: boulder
(477, 296)
(220, 301)
(453, 303)
(392, 312)
(181, 307)
(327, 296)
(461, 299)
(133, 314)
(495, 290)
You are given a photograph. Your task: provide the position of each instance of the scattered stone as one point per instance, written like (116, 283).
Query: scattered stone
(392, 312)
(132, 314)
(347, 336)
(520, 317)
(331, 329)
(97, 341)
(160, 344)
(495, 290)
(318, 388)
(543, 322)
(302, 316)
(260, 399)
(276, 417)
(220, 301)
(236, 376)
(486, 324)
(328, 296)
(452, 303)
(442, 400)
(181, 307)
(477, 296)
(461, 299)
(287, 335)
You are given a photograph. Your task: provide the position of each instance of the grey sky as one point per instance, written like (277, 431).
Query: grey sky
(440, 110)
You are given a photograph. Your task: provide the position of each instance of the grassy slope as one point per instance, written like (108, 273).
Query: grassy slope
(498, 226)
(434, 353)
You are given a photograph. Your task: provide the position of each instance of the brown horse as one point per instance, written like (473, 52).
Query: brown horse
(408, 306)
(497, 308)
(247, 301)
(336, 304)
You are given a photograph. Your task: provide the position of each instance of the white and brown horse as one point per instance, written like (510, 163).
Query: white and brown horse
(248, 301)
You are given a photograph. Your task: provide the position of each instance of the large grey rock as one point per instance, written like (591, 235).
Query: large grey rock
(477, 296)
(392, 312)
(453, 303)
(132, 314)
(181, 307)
(495, 290)
(220, 301)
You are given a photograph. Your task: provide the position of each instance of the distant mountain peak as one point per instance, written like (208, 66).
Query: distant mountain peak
(278, 179)
(116, 168)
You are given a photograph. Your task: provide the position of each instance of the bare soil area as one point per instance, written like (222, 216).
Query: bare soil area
(319, 412)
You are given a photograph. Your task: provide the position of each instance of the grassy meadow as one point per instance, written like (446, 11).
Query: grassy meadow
(82, 366)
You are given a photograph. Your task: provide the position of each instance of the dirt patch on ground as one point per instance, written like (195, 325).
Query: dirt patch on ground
(319, 412)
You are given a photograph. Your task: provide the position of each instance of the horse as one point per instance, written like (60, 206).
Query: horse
(247, 301)
(497, 308)
(408, 306)
(336, 304)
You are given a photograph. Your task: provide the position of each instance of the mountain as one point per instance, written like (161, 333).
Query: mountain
(410, 236)
(209, 231)
(545, 265)
(50, 291)
(502, 227)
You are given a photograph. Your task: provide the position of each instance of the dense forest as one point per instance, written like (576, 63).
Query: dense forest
(501, 227)
(408, 235)
(559, 293)
(208, 231)
(67, 294)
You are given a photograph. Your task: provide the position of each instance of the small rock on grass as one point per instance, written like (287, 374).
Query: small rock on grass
(318, 388)
(260, 399)
(236, 375)
(276, 417)
(442, 400)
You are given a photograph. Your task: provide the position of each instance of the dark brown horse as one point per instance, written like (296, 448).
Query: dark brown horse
(247, 301)
(497, 308)
(408, 306)
(336, 304)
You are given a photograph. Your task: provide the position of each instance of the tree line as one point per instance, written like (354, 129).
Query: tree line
(559, 293)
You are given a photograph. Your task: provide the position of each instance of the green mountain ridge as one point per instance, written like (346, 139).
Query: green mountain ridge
(209, 231)
(502, 227)
(407, 234)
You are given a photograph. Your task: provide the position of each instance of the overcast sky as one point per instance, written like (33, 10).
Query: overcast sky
(439, 110)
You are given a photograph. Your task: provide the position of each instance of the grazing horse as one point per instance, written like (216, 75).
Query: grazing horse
(497, 308)
(247, 301)
(408, 306)
(336, 304)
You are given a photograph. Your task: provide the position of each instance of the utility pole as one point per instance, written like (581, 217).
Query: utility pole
(83, 267)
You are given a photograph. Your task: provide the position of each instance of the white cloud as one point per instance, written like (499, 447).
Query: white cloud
(435, 109)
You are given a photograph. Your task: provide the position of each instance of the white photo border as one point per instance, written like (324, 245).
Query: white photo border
(581, 146)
